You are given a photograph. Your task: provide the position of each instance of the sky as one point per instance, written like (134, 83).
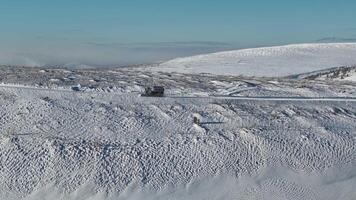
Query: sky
(120, 32)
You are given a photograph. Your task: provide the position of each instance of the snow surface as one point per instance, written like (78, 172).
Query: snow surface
(333, 74)
(352, 77)
(107, 142)
(267, 62)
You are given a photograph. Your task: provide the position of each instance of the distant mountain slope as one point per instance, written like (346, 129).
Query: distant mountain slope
(338, 73)
(267, 62)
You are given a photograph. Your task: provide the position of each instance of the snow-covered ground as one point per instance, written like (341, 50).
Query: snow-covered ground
(259, 138)
(267, 62)
(333, 74)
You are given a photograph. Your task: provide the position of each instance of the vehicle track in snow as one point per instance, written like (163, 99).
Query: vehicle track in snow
(223, 97)
(263, 98)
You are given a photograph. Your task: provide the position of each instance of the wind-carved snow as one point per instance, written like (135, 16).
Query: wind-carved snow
(107, 142)
(267, 62)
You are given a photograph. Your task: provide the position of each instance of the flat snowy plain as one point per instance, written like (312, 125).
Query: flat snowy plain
(259, 138)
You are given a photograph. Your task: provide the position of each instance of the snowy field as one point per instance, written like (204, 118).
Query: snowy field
(267, 62)
(259, 138)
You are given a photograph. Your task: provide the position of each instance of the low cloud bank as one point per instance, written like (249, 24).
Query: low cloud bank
(98, 54)
(19, 60)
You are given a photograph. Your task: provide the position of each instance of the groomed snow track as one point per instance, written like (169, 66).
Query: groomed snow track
(212, 97)
(325, 99)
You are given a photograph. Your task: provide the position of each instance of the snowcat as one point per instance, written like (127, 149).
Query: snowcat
(155, 91)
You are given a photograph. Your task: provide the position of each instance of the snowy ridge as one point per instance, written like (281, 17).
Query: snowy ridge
(267, 62)
(339, 74)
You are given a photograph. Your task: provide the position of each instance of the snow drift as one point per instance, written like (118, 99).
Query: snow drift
(106, 142)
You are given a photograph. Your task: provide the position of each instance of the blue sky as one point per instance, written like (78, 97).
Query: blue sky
(109, 32)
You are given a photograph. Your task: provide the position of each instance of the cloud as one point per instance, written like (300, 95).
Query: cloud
(98, 54)
(160, 44)
(18, 59)
(350, 29)
(336, 39)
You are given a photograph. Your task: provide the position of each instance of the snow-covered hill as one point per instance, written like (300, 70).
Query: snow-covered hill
(338, 73)
(268, 62)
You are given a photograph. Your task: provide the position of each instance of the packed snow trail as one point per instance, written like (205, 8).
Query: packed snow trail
(222, 97)
(325, 99)
(337, 99)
